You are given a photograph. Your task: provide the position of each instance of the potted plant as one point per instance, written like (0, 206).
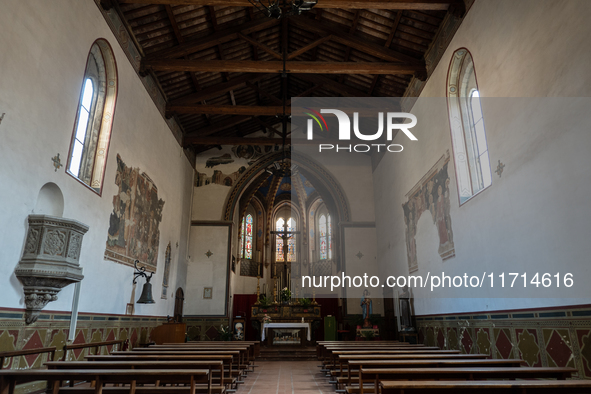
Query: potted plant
(225, 333)
(368, 335)
(285, 295)
(264, 302)
(305, 303)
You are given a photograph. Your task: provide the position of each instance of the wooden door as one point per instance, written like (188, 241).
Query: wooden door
(179, 300)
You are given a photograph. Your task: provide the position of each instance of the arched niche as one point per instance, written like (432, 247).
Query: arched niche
(50, 201)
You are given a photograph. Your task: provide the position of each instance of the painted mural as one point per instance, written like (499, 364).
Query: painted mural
(216, 161)
(218, 178)
(165, 277)
(430, 194)
(134, 223)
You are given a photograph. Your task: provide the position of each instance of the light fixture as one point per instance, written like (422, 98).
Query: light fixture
(277, 8)
(146, 297)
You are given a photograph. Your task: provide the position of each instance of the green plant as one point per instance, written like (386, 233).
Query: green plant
(305, 302)
(265, 302)
(369, 334)
(225, 333)
(285, 295)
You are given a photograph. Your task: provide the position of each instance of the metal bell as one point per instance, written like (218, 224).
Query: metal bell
(146, 297)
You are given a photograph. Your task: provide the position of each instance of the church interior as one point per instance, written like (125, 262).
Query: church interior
(161, 204)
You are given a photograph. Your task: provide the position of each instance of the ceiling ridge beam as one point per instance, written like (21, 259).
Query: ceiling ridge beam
(300, 67)
(433, 5)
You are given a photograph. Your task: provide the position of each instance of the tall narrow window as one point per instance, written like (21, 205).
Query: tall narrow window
(94, 118)
(323, 233)
(467, 127)
(291, 240)
(246, 237)
(81, 127)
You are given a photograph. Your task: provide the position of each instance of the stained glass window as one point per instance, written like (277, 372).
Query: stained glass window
(248, 237)
(291, 242)
(329, 238)
(242, 239)
(322, 231)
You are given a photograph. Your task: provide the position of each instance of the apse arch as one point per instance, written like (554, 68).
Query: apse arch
(326, 184)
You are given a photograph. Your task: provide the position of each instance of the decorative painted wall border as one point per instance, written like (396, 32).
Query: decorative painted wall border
(541, 337)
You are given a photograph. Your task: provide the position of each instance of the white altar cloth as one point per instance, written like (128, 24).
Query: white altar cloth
(286, 325)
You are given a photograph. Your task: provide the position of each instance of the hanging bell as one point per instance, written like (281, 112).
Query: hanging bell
(146, 297)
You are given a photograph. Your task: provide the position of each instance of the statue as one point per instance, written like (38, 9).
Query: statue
(366, 307)
(405, 310)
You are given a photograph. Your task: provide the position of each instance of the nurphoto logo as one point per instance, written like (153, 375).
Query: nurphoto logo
(393, 120)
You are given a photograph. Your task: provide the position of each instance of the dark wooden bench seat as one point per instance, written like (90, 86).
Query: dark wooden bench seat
(487, 387)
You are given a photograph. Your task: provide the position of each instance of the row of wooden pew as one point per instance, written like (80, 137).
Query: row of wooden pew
(189, 368)
(392, 367)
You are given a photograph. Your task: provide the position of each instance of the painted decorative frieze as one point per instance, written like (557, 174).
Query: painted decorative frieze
(134, 223)
(430, 194)
(50, 260)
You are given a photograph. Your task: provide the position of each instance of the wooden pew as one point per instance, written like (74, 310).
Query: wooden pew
(96, 345)
(241, 360)
(214, 367)
(245, 350)
(461, 373)
(322, 350)
(229, 357)
(330, 360)
(343, 359)
(10, 378)
(18, 353)
(487, 387)
(254, 346)
(391, 364)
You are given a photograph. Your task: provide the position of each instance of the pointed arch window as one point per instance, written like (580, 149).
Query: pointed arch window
(246, 239)
(325, 237)
(94, 117)
(291, 241)
(467, 127)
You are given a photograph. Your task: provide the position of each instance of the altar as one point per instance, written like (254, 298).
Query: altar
(281, 334)
(291, 324)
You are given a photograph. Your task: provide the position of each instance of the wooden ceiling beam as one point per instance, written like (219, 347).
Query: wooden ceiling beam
(344, 37)
(253, 66)
(432, 5)
(306, 48)
(217, 90)
(198, 44)
(257, 44)
(218, 126)
(332, 85)
(227, 110)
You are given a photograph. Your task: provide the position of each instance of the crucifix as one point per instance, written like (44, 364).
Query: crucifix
(285, 236)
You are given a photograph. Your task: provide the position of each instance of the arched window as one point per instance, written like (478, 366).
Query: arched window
(291, 241)
(467, 127)
(94, 117)
(325, 237)
(246, 239)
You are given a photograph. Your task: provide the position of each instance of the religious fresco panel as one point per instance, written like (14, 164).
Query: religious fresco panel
(432, 194)
(134, 223)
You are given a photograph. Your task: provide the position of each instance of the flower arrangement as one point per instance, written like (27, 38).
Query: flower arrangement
(266, 318)
(225, 333)
(285, 295)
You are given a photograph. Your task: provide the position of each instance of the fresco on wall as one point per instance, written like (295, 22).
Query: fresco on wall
(166, 272)
(134, 223)
(216, 161)
(250, 152)
(430, 194)
(218, 178)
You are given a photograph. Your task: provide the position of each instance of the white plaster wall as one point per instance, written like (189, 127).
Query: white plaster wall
(44, 47)
(204, 271)
(532, 219)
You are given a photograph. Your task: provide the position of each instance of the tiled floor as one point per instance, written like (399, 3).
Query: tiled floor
(286, 377)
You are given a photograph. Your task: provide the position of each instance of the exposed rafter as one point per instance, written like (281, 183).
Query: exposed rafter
(347, 4)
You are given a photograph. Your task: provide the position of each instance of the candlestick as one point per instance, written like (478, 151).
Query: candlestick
(258, 291)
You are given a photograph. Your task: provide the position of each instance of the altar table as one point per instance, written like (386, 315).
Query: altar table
(286, 325)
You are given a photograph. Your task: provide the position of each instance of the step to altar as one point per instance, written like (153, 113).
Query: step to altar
(287, 353)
